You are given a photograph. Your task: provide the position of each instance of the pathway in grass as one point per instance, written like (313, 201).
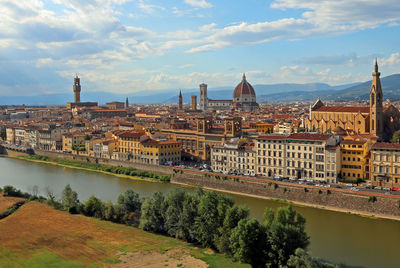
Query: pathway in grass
(37, 234)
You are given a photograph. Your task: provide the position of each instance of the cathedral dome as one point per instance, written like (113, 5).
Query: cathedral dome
(244, 88)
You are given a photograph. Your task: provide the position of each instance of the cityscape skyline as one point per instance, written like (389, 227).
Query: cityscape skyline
(129, 46)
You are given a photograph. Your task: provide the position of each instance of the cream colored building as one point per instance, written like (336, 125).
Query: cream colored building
(385, 167)
(233, 156)
(300, 155)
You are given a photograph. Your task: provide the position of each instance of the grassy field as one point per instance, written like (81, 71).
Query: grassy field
(7, 202)
(39, 236)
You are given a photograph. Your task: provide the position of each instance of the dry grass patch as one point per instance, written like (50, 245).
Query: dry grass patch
(37, 235)
(7, 201)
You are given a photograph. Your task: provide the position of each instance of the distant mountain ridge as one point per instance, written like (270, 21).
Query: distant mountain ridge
(265, 93)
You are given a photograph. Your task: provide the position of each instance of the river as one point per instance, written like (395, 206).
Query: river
(338, 237)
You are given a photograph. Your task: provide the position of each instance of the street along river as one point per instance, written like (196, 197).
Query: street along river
(338, 237)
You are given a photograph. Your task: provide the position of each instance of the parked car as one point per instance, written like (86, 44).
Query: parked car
(369, 187)
(386, 189)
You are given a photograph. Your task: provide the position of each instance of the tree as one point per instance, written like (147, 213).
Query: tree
(233, 216)
(207, 221)
(302, 259)
(173, 213)
(189, 214)
(110, 213)
(249, 242)
(94, 208)
(3, 133)
(286, 233)
(129, 201)
(152, 218)
(396, 137)
(69, 200)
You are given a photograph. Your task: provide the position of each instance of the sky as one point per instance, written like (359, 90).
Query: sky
(126, 46)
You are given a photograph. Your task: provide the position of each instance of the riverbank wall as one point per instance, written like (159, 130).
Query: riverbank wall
(321, 197)
(162, 170)
(11, 153)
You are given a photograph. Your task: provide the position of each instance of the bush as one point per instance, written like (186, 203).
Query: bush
(9, 190)
(328, 191)
(275, 186)
(319, 191)
(305, 190)
(372, 199)
(94, 208)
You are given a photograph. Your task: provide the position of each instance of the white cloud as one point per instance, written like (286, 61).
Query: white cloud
(199, 3)
(392, 60)
(321, 18)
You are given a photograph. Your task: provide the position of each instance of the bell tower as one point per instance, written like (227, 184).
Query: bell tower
(375, 104)
(77, 89)
(180, 101)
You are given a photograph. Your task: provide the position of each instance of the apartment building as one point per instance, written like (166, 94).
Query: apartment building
(385, 167)
(300, 155)
(234, 156)
(355, 159)
(159, 152)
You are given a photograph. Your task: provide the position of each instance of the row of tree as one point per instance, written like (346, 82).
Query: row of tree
(209, 219)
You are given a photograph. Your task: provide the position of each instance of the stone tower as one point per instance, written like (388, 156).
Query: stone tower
(126, 103)
(180, 101)
(203, 97)
(194, 103)
(77, 89)
(375, 104)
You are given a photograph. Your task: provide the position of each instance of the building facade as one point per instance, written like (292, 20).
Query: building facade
(385, 167)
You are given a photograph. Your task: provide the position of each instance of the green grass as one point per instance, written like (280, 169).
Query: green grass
(38, 259)
(126, 171)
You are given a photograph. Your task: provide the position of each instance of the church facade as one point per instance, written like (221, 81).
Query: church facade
(374, 121)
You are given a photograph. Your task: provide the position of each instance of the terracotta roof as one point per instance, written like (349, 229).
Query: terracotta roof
(309, 136)
(244, 88)
(129, 134)
(386, 145)
(343, 109)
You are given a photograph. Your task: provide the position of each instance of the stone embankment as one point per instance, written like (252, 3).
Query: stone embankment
(327, 198)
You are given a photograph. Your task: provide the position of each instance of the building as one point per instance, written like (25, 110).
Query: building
(73, 142)
(374, 121)
(129, 145)
(300, 155)
(244, 98)
(197, 143)
(160, 152)
(115, 105)
(385, 167)
(234, 157)
(355, 159)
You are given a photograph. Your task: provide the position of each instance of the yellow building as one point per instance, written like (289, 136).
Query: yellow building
(128, 145)
(385, 168)
(160, 152)
(264, 128)
(355, 159)
(73, 142)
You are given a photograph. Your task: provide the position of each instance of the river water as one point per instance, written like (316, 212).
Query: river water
(338, 237)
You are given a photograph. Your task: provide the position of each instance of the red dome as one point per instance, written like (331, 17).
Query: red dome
(244, 88)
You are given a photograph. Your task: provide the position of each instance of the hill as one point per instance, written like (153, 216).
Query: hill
(390, 87)
(40, 236)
